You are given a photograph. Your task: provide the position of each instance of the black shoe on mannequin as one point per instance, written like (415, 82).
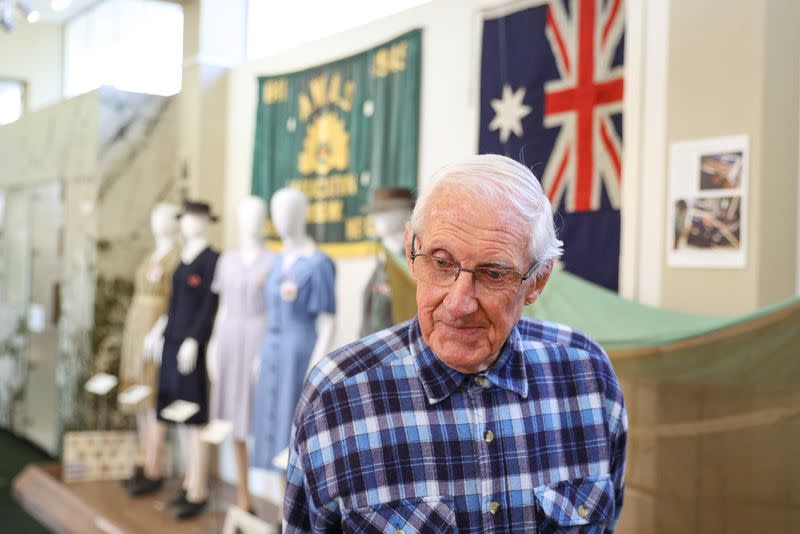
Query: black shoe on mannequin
(180, 500)
(190, 509)
(146, 486)
(138, 475)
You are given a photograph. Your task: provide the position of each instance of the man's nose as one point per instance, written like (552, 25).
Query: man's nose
(461, 297)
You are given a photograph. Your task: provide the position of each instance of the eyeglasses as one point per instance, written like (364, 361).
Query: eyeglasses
(443, 272)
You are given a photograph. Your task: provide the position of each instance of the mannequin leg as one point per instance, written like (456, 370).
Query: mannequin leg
(152, 480)
(142, 438)
(155, 442)
(242, 466)
(197, 483)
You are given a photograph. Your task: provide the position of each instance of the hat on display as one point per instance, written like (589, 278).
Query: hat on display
(197, 208)
(390, 198)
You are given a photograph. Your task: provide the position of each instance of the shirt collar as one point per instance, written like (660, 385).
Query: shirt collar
(439, 381)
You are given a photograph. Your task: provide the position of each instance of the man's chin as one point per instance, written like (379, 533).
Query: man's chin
(463, 357)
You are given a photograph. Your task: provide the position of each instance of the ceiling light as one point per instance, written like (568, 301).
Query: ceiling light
(7, 13)
(60, 5)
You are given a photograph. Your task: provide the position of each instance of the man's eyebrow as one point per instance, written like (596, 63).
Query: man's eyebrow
(496, 264)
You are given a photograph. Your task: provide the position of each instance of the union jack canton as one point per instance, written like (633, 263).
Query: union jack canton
(388, 439)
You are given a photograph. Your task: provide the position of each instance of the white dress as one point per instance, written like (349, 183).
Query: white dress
(239, 336)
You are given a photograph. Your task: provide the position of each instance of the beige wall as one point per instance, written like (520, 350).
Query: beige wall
(730, 73)
(780, 74)
(33, 52)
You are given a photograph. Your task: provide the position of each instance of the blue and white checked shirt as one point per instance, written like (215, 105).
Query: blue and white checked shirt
(389, 439)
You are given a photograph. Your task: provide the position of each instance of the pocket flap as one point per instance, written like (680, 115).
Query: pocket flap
(432, 515)
(577, 502)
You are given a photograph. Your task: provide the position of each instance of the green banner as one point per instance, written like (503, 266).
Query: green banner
(337, 132)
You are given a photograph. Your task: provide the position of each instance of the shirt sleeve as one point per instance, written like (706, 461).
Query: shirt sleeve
(323, 288)
(303, 511)
(618, 437)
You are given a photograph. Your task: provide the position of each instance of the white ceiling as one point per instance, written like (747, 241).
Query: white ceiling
(48, 15)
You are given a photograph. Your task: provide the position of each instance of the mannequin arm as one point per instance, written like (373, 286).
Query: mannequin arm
(326, 323)
(187, 356)
(154, 341)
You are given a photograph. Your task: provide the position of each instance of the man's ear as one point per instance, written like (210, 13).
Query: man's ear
(538, 284)
(407, 235)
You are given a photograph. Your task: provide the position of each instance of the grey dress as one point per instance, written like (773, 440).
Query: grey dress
(239, 336)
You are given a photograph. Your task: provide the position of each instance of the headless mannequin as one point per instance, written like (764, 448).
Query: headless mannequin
(194, 228)
(288, 212)
(390, 226)
(288, 209)
(251, 217)
(165, 232)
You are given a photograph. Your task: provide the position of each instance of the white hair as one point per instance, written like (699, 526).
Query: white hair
(503, 182)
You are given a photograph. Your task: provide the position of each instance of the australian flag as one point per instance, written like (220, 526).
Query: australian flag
(551, 97)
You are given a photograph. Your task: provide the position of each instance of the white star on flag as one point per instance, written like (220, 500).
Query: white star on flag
(509, 112)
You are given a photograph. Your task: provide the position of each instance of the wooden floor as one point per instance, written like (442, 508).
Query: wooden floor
(104, 507)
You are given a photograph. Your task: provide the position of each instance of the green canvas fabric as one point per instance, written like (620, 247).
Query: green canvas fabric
(663, 346)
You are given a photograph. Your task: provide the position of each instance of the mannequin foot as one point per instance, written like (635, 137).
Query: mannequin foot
(146, 486)
(190, 509)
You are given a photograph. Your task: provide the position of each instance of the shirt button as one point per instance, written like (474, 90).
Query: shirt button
(583, 511)
(482, 381)
(494, 506)
(399, 531)
(488, 436)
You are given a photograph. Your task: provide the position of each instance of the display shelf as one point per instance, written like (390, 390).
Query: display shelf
(105, 508)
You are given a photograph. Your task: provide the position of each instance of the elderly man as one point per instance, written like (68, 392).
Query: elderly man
(466, 418)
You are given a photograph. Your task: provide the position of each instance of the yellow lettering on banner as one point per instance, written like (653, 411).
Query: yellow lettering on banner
(397, 57)
(389, 60)
(354, 228)
(369, 227)
(346, 103)
(326, 92)
(325, 211)
(335, 88)
(317, 89)
(275, 91)
(380, 63)
(304, 106)
(343, 185)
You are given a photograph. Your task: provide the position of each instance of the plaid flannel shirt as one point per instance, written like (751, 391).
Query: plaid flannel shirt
(387, 438)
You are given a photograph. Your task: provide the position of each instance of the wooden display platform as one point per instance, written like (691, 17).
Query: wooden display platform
(105, 508)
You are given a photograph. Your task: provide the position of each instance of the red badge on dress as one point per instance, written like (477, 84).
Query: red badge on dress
(194, 280)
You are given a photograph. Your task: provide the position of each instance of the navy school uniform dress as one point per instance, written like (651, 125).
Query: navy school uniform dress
(192, 308)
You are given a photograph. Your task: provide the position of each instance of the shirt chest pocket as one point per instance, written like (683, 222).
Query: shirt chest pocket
(584, 505)
(428, 515)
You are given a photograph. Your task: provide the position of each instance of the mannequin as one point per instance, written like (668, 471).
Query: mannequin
(152, 283)
(391, 210)
(178, 342)
(240, 328)
(301, 302)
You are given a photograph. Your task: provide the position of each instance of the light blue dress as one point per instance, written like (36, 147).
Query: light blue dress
(294, 299)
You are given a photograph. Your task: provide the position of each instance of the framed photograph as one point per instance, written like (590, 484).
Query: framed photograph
(707, 208)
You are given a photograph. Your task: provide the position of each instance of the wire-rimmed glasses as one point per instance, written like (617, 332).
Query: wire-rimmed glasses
(442, 272)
